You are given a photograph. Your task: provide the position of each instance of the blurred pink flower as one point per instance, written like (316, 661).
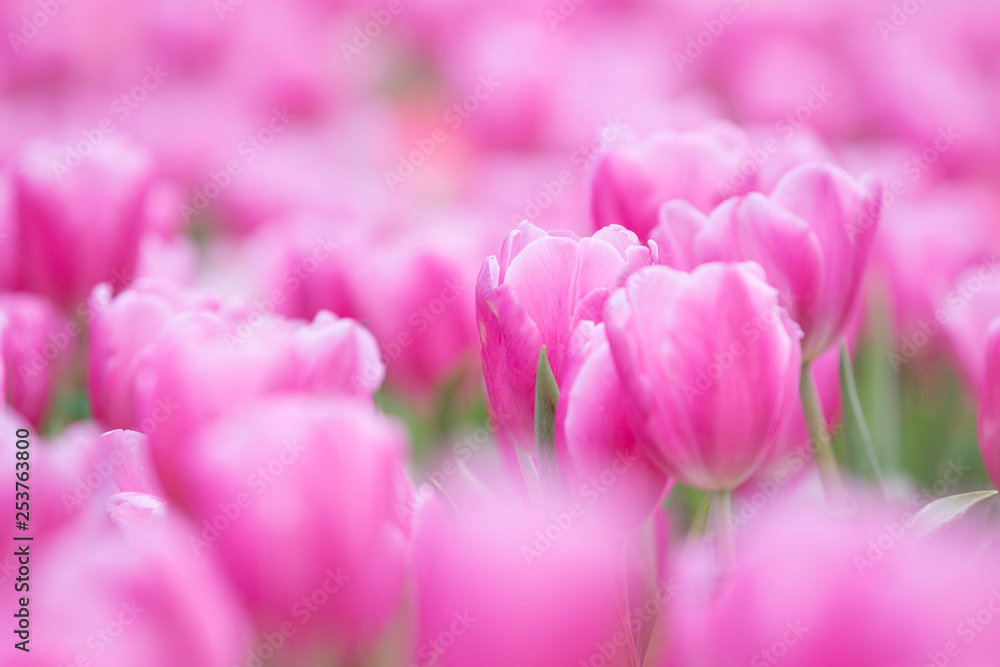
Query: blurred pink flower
(989, 405)
(491, 572)
(140, 597)
(38, 344)
(814, 590)
(79, 220)
(633, 180)
(812, 236)
(309, 483)
(710, 366)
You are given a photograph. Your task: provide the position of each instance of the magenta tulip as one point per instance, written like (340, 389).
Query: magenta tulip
(604, 462)
(814, 590)
(140, 597)
(537, 292)
(496, 585)
(79, 224)
(632, 181)
(38, 343)
(812, 237)
(121, 329)
(710, 365)
(297, 497)
(989, 406)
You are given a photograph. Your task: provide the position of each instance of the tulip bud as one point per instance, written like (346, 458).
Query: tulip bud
(297, 497)
(82, 225)
(811, 236)
(989, 406)
(632, 181)
(37, 343)
(710, 365)
(540, 289)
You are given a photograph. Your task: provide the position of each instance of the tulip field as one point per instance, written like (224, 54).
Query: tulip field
(539, 333)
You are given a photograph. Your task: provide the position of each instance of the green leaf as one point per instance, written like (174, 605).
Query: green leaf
(940, 513)
(546, 399)
(861, 450)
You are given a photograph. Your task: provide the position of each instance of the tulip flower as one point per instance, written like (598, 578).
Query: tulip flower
(493, 573)
(38, 343)
(710, 365)
(603, 460)
(194, 358)
(140, 597)
(121, 329)
(79, 224)
(537, 292)
(297, 497)
(989, 405)
(815, 590)
(633, 180)
(811, 236)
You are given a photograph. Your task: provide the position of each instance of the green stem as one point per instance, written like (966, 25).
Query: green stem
(722, 522)
(822, 442)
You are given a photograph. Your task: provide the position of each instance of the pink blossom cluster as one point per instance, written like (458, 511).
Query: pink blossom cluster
(547, 332)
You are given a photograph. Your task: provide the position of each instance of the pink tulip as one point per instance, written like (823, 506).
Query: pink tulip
(489, 572)
(710, 365)
(632, 181)
(79, 224)
(121, 329)
(966, 312)
(540, 289)
(296, 495)
(817, 590)
(811, 236)
(604, 463)
(38, 343)
(989, 405)
(140, 597)
(203, 364)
